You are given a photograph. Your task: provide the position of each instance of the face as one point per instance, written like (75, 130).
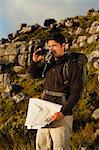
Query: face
(56, 48)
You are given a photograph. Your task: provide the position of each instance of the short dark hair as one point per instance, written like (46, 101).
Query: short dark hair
(58, 37)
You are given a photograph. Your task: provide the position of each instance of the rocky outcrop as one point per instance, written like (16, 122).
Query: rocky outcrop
(16, 52)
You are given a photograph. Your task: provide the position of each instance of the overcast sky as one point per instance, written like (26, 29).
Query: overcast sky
(15, 12)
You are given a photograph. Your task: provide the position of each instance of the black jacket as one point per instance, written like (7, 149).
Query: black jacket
(54, 81)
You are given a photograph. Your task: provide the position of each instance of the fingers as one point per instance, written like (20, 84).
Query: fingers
(57, 116)
(37, 57)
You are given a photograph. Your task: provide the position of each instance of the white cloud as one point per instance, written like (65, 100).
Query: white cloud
(29, 10)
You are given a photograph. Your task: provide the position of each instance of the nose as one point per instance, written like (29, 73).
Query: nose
(51, 49)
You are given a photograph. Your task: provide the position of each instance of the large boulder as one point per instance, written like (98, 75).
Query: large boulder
(5, 66)
(49, 22)
(95, 114)
(93, 38)
(94, 27)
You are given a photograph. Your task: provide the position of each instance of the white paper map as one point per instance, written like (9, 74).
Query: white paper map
(38, 113)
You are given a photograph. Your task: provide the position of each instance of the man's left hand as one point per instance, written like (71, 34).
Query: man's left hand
(57, 116)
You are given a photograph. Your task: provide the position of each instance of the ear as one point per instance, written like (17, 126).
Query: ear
(63, 45)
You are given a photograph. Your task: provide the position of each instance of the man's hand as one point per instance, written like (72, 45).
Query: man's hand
(57, 116)
(36, 57)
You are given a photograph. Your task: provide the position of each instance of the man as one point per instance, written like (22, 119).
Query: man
(57, 90)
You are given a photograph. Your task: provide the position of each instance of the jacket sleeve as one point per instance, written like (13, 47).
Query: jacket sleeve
(35, 69)
(75, 81)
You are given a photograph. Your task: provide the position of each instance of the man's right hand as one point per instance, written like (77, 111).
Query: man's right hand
(37, 58)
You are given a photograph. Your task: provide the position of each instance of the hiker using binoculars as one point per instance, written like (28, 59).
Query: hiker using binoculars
(62, 85)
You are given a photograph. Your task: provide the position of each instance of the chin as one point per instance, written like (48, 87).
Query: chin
(54, 54)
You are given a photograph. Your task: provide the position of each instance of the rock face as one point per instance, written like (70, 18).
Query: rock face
(15, 52)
